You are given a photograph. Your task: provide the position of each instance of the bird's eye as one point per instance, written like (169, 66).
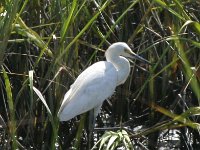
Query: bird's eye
(126, 50)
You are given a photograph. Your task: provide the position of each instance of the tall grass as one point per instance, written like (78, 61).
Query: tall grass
(59, 39)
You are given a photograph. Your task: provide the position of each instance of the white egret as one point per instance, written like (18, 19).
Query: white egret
(98, 82)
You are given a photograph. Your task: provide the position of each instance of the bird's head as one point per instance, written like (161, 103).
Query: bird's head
(122, 49)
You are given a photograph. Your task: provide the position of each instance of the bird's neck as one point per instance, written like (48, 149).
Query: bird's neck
(122, 66)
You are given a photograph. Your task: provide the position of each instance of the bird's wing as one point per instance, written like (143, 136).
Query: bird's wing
(90, 89)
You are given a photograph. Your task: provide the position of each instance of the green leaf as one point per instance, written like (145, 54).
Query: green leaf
(115, 144)
(127, 139)
(104, 138)
(195, 24)
(6, 26)
(191, 111)
(68, 21)
(22, 29)
(31, 87)
(111, 141)
(164, 5)
(120, 135)
(81, 32)
(42, 99)
(161, 3)
(12, 122)
(9, 95)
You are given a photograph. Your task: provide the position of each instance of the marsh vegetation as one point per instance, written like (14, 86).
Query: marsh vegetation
(46, 44)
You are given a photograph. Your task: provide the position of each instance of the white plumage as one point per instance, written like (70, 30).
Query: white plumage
(97, 82)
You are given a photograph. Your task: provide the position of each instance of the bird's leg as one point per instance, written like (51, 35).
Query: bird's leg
(92, 117)
(90, 128)
(79, 132)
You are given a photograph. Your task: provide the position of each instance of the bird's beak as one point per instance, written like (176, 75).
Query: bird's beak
(137, 57)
